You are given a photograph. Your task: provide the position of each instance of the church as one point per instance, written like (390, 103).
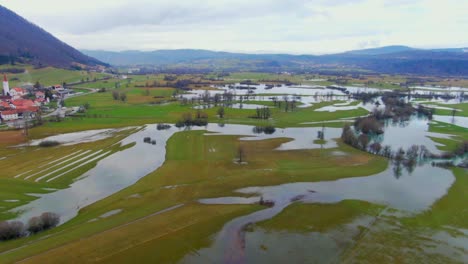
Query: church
(6, 87)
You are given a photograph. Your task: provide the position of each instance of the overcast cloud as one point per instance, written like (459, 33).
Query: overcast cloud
(290, 26)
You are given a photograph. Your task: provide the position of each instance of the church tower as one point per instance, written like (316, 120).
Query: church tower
(6, 87)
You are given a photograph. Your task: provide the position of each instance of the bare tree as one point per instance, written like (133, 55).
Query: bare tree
(241, 153)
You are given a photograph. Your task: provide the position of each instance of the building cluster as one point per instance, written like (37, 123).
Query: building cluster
(16, 102)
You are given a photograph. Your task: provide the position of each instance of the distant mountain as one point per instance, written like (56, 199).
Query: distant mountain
(158, 57)
(391, 59)
(380, 51)
(22, 41)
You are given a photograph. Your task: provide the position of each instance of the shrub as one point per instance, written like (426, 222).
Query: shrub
(269, 130)
(35, 225)
(11, 230)
(264, 129)
(180, 124)
(200, 119)
(115, 95)
(49, 143)
(43, 222)
(368, 125)
(221, 112)
(161, 126)
(50, 220)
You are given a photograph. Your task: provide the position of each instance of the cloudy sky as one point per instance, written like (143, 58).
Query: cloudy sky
(256, 26)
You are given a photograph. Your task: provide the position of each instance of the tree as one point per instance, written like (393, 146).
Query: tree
(399, 155)
(375, 148)
(37, 85)
(50, 220)
(258, 111)
(35, 225)
(221, 112)
(275, 100)
(123, 97)
(348, 136)
(321, 133)
(387, 151)
(147, 92)
(115, 95)
(241, 153)
(11, 230)
(363, 141)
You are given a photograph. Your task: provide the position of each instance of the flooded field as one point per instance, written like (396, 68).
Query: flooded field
(411, 193)
(325, 218)
(124, 168)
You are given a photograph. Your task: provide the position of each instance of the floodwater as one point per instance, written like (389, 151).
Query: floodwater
(310, 94)
(404, 134)
(412, 193)
(124, 168)
(235, 106)
(79, 137)
(461, 121)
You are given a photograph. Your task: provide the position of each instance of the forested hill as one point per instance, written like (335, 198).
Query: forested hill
(22, 41)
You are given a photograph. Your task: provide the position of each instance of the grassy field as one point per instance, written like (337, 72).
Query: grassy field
(140, 109)
(463, 109)
(297, 217)
(196, 172)
(49, 76)
(46, 169)
(158, 218)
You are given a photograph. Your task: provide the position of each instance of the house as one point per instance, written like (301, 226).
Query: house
(58, 87)
(9, 115)
(40, 95)
(17, 93)
(22, 104)
(40, 101)
(4, 105)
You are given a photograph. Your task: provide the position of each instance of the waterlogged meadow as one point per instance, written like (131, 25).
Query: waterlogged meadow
(240, 188)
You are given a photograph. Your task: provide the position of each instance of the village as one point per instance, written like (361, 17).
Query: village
(29, 102)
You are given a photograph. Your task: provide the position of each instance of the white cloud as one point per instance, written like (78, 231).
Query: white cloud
(296, 26)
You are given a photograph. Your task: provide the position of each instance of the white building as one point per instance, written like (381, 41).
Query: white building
(6, 87)
(17, 93)
(9, 115)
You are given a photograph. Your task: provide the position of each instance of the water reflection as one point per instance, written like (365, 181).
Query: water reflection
(406, 133)
(413, 194)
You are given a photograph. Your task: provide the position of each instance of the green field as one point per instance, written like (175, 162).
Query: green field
(188, 152)
(45, 169)
(159, 219)
(49, 76)
(463, 109)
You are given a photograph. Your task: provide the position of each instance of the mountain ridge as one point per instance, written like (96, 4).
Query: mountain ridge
(389, 59)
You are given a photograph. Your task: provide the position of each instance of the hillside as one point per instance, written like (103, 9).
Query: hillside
(22, 41)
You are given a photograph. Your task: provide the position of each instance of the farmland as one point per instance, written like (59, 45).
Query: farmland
(145, 202)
